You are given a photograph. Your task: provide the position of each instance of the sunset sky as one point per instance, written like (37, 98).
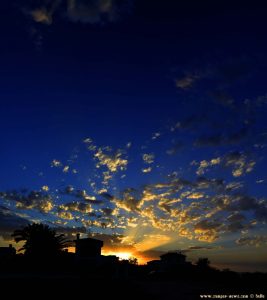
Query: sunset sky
(141, 123)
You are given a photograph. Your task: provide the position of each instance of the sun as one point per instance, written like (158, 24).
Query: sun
(123, 255)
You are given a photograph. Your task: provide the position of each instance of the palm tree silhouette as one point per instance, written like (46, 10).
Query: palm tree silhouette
(40, 240)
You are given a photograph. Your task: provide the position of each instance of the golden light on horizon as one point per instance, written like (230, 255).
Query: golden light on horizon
(71, 249)
(120, 254)
(124, 255)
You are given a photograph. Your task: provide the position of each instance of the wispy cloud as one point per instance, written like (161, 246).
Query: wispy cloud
(85, 11)
(187, 81)
(256, 240)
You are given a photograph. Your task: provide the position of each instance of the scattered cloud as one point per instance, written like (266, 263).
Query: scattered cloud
(45, 188)
(65, 215)
(187, 81)
(239, 162)
(66, 169)
(156, 135)
(56, 163)
(76, 206)
(113, 162)
(32, 200)
(148, 158)
(147, 170)
(220, 139)
(84, 11)
(256, 241)
(41, 15)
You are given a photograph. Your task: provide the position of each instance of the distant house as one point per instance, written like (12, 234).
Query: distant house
(88, 247)
(169, 261)
(88, 250)
(174, 258)
(7, 252)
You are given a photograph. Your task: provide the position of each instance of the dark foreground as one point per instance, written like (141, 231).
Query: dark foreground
(67, 278)
(67, 286)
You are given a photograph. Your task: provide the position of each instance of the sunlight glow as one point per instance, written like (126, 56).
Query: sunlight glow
(123, 255)
(120, 255)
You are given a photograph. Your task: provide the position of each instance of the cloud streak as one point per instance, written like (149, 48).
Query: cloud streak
(84, 11)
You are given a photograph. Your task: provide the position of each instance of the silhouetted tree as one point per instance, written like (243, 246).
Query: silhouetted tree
(40, 240)
(133, 261)
(203, 263)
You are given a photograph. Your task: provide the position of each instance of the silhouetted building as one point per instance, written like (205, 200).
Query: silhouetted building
(88, 247)
(6, 252)
(174, 258)
(154, 264)
(169, 261)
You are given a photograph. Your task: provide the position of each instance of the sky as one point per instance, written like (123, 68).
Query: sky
(141, 123)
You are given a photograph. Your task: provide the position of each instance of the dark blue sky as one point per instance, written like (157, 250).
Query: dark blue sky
(140, 119)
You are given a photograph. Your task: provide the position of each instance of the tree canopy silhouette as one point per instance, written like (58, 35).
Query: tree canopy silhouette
(203, 263)
(133, 261)
(40, 240)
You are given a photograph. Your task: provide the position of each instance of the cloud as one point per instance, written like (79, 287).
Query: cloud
(113, 162)
(110, 240)
(207, 230)
(187, 81)
(42, 11)
(147, 170)
(204, 164)
(195, 195)
(233, 186)
(66, 169)
(80, 194)
(45, 188)
(56, 163)
(107, 211)
(33, 200)
(238, 203)
(96, 11)
(236, 217)
(148, 158)
(191, 122)
(65, 215)
(207, 183)
(236, 227)
(205, 225)
(41, 15)
(256, 241)
(84, 11)
(9, 221)
(75, 206)
(129, 201)
(238, 161)
(223, 98)
(200, 248)
(220, 139)
(156, 135)
(70, 232)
